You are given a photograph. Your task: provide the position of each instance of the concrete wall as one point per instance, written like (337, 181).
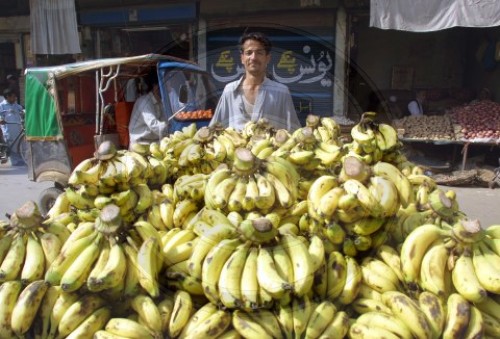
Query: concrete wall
(475, 71)
(437, 58)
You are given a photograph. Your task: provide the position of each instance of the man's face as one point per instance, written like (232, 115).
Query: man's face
(254, 57)
(11, 98)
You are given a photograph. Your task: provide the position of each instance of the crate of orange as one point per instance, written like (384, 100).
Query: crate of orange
(194, 115)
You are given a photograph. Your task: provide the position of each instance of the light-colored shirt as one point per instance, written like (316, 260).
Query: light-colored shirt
(415, 108)
(147, 122)
(11, 113)
(273, 102)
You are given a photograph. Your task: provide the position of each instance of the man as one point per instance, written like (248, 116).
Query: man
(13, 85)
(147, 121)
(415, 107)
(10, 117)
(255, 96)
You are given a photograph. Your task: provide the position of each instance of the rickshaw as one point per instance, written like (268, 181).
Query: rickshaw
(72, 108)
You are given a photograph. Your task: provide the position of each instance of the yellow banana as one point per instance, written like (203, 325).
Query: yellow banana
(268, 276)
(183, 306)
(320, 318)
(249, 285)
(392, 173)
(149, 265)
(267, 196)
(42, 323)
(457, 316)
(145, 198)
(359, 331)
(78, 271)
(249, 327)
(302, 263)
(12, 263)
(486, 263)
(115, 268)
(77, 312)
(354, 279)
(302, 310)
(465, 279)
(268, 321)
(198, 317)
(212, 327)
(127, 328)
(387, 322)
(283, 194)
(318, 189)
(235, 202)
(93, 323)
(414, 247)
(34, 263)
(364, 305)
(51, 246)
(338, 327)
(212, 267)
(409, 312)
(230, 277)
(434, 310)
(27, 305)
(336, 270)
(9, 293)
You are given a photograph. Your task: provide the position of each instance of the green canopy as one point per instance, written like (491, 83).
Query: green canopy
(41, 118)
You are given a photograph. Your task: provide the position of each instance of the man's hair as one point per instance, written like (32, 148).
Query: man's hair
(151, 79)
(257, 36)
(8, 92)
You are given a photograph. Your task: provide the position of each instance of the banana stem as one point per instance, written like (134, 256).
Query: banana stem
(355, 168)
(306, 136)
(106, 150)
(27, 216)
(110, 220)
(204, 135)
(244, 160)
(281, 137)
(312, 121)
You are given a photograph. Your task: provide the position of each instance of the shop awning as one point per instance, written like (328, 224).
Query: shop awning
(432, 15)
(53, 27)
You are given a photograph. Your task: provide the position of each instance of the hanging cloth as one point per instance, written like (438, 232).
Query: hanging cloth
(432, 15)
(54, 27)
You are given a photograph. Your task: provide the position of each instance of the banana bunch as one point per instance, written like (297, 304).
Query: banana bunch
(26, 249)
(309, 151)
(301, 318)
(415, 247)
(338, 278)
(149, 318)
(489, 308)
(239, 275)
(372, 139)
(20, 305)
(246, 187)
(116, 168)
(70, 315)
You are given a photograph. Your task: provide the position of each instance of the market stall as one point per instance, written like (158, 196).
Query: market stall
(472, 125)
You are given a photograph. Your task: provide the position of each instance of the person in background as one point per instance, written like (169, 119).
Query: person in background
(255, 96)
(10, 120)
(13, 85)
(147, 121)
(416, 106)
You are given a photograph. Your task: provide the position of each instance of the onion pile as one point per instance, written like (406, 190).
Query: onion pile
(477, 120)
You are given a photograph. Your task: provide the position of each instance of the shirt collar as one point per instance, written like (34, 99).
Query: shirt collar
(266, 79)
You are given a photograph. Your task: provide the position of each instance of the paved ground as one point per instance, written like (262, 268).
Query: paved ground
(15, 189)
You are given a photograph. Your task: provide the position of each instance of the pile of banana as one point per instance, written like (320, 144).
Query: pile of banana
(215, 233)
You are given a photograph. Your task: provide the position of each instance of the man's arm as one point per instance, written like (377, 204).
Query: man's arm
(413, 108)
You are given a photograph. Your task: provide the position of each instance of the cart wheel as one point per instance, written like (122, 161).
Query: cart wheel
(47, 198)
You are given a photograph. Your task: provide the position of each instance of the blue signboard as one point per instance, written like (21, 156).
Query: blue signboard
(302, 61)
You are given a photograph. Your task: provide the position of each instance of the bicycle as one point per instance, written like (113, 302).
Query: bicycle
(19, 142)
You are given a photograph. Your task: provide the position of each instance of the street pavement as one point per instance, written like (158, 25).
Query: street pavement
(15, 189)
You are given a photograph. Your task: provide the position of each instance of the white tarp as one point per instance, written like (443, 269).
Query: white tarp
(433, 15)
(53, 27)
